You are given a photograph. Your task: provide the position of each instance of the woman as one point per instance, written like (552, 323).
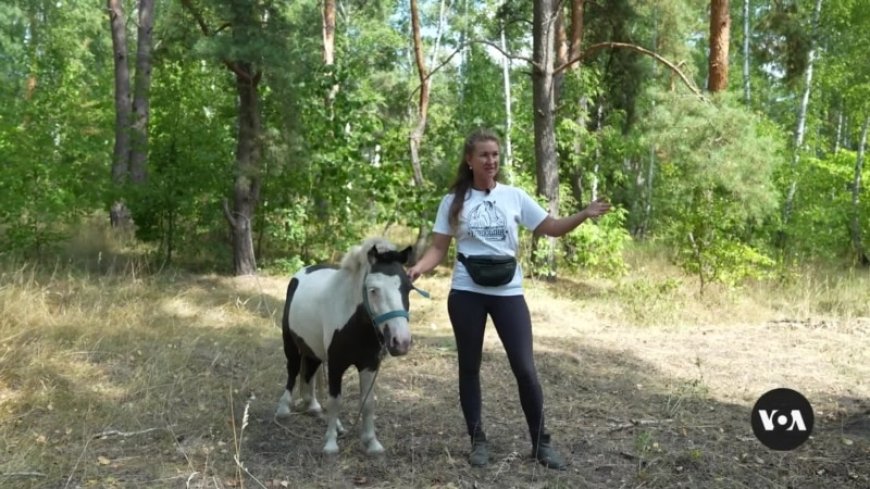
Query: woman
(483, 215)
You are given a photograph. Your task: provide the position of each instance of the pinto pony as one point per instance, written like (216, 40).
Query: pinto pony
(342, 316)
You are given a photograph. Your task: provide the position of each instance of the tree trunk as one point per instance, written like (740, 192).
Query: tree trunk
(246, 190)
(119, 214)
(561, 47)
(329, 49)
(139, 142)
(575, 46)
(433, 56)
(746, 33)
(599, 125)
(839, 133)
(576, 28)
(857, 240)
(508, 121)
(544, 122)
(423, 107)
(422, 117)
(800, 129)
(720, 33)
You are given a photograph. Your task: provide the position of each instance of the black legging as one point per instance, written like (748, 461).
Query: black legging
(512, 321)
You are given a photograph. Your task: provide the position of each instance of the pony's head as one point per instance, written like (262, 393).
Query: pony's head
(385, 294)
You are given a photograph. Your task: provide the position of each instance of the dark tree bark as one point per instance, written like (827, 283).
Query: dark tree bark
(544, 55)
(720, 35)
(119, 214)
(141, 90)
(248, 171)
(246, 189)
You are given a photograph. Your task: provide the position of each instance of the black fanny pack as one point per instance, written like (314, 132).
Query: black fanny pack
(489, 270)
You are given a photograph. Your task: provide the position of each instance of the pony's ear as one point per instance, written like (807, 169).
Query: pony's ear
(405, 254)
(373, 255)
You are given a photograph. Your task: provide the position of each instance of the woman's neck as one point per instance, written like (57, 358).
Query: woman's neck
(483, 185)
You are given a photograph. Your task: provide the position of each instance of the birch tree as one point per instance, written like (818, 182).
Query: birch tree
(746, 37)
(855, 222)
(800, 128)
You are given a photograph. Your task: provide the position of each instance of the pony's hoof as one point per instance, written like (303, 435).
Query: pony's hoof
(315, 412)
(373, 448)
(330, 449)
(282, 411)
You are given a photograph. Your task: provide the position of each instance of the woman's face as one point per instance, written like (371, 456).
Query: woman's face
(484, 159)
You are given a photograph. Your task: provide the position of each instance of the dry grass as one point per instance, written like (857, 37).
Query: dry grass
(119, 376)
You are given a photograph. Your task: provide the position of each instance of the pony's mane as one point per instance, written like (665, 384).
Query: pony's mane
(356, 261)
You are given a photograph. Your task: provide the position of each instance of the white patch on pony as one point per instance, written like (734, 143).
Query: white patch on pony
(284, 404)
(333, 406)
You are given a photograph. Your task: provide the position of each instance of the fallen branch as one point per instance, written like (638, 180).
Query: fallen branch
(640, 422)
(23, 474)
(123, 434)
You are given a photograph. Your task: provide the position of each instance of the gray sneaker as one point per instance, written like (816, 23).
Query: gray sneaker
(479, 456)
(547, 456)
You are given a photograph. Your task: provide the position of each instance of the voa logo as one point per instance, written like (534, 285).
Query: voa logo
(782, 419)
(794, 420)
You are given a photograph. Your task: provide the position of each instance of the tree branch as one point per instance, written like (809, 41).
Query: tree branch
(197, 15)
(234, 67)
(228, 214)
(504, 53)
(595, 48)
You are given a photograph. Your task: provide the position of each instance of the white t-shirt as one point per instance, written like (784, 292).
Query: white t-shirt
(488, 225)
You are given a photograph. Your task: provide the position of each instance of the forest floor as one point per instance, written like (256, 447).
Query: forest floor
(119, 378)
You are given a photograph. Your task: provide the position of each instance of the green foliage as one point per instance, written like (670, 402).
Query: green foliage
(191, 152)
(596, 247)
(337, 170)
(715, 184)
(53, 120)
(823, 206)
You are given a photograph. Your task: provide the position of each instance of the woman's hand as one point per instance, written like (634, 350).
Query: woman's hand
(596, 208)
(414, 273)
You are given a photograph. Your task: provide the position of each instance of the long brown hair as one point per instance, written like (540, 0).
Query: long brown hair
(464, 175)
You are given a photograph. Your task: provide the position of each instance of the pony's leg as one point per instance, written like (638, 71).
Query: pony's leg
(308, 377)
(294, 363)
(333, 406)
(367, 405)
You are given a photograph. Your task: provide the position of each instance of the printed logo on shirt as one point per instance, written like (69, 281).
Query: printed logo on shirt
(487, 222)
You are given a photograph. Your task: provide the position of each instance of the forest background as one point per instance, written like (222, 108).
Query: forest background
(166, 164)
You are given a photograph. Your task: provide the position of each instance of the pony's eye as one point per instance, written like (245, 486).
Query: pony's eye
(373, 291)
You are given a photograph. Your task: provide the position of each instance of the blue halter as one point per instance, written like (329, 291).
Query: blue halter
(378, 320)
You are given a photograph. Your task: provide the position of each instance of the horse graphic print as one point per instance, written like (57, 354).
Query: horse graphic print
(487, 222)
